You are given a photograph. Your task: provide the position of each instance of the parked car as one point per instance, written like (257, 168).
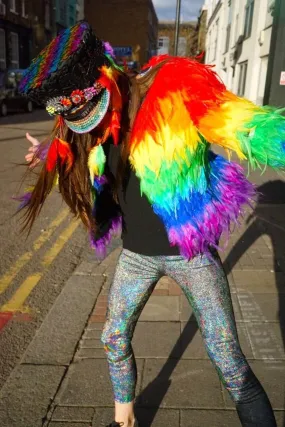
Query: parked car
(10, 98)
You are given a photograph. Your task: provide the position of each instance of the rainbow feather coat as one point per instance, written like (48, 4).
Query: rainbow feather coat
(196, 193)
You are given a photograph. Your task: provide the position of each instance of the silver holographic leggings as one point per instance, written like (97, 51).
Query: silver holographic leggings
(205, 285)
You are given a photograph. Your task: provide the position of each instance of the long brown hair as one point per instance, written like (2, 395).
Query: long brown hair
(74, 184)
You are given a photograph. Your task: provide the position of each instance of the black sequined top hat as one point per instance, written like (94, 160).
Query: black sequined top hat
(65, 77)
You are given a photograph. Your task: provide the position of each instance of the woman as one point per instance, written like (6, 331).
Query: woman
(135, 152)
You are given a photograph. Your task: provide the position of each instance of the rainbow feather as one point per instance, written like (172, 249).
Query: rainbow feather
(196, 193)
(256, 134)
(96, 162)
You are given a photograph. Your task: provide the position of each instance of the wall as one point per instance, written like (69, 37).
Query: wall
(228, 18)
(275, 93)
(125, 23)
(187, 31)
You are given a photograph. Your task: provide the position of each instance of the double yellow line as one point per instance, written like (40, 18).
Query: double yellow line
(16, 303)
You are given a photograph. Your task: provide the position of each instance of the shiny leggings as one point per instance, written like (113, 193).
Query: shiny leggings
(204, 283)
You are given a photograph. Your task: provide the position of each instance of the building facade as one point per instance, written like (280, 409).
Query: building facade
(187, 42)
(80, 10)
(65, 13)
(131, 26)
(202, 31)
(25, 28)
(238, 44)
(275, 80)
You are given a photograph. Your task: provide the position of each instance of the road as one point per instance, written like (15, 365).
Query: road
(33, 268)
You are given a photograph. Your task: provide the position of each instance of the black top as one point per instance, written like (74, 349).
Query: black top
(143, 230)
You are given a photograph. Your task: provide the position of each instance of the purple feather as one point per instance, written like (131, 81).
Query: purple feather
(100, 245)
(42, 150)
(24, 199)
(109, 50)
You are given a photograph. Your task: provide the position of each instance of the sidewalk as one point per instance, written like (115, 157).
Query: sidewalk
(63, 381)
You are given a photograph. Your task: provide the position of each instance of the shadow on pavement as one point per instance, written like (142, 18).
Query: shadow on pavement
(268, 220)
(263, 221)
(150, 399)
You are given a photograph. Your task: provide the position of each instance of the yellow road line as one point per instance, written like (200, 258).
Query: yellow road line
(16, 303)
(8, 277)
(18, 299)
(60, 242)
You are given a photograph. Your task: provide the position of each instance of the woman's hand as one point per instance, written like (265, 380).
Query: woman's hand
(31, 157)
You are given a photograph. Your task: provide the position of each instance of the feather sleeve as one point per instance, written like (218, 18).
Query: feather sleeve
(255, 133)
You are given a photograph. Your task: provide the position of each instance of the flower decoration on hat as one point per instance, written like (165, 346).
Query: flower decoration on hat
(66, 102)
(62, 104)
(77, 96)
(89, 93)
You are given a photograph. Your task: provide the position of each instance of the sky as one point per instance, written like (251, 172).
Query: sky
(166, 9)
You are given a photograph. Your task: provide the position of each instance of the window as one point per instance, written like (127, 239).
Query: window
(13, 6)
(237, 34)
(182, 46)
(24, 8)
(249, 8)
(228, 31)
(71, 15)
(62, 12)
(209, 46)
(47, 15)
(262, 80)
(242, 78)
(163, 45)
(2, 49)
(216, 40)
(14, 46)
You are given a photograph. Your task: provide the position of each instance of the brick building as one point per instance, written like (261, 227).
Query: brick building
(129, 25)
(25, 28)
(188, 37)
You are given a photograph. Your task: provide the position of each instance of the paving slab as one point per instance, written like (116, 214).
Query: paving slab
(259, 281)
(187, 312)
(272, 306)
(161, 308)
(88, 383)
(209, 418)
(57, 337)
(147, 417)
(156, 339)
(194, 347)
(191, 342)
(90, 353)
(272, 377)
(68, 424)
(73, 413)
(171, 383)
(267, 340)
(25, 397)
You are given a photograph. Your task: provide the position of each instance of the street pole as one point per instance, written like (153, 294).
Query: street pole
(177, 26)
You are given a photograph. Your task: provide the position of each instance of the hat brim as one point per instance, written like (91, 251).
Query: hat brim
(94, 118)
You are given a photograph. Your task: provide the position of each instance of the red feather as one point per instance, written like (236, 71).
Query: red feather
(115, 126)
(59, 149)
